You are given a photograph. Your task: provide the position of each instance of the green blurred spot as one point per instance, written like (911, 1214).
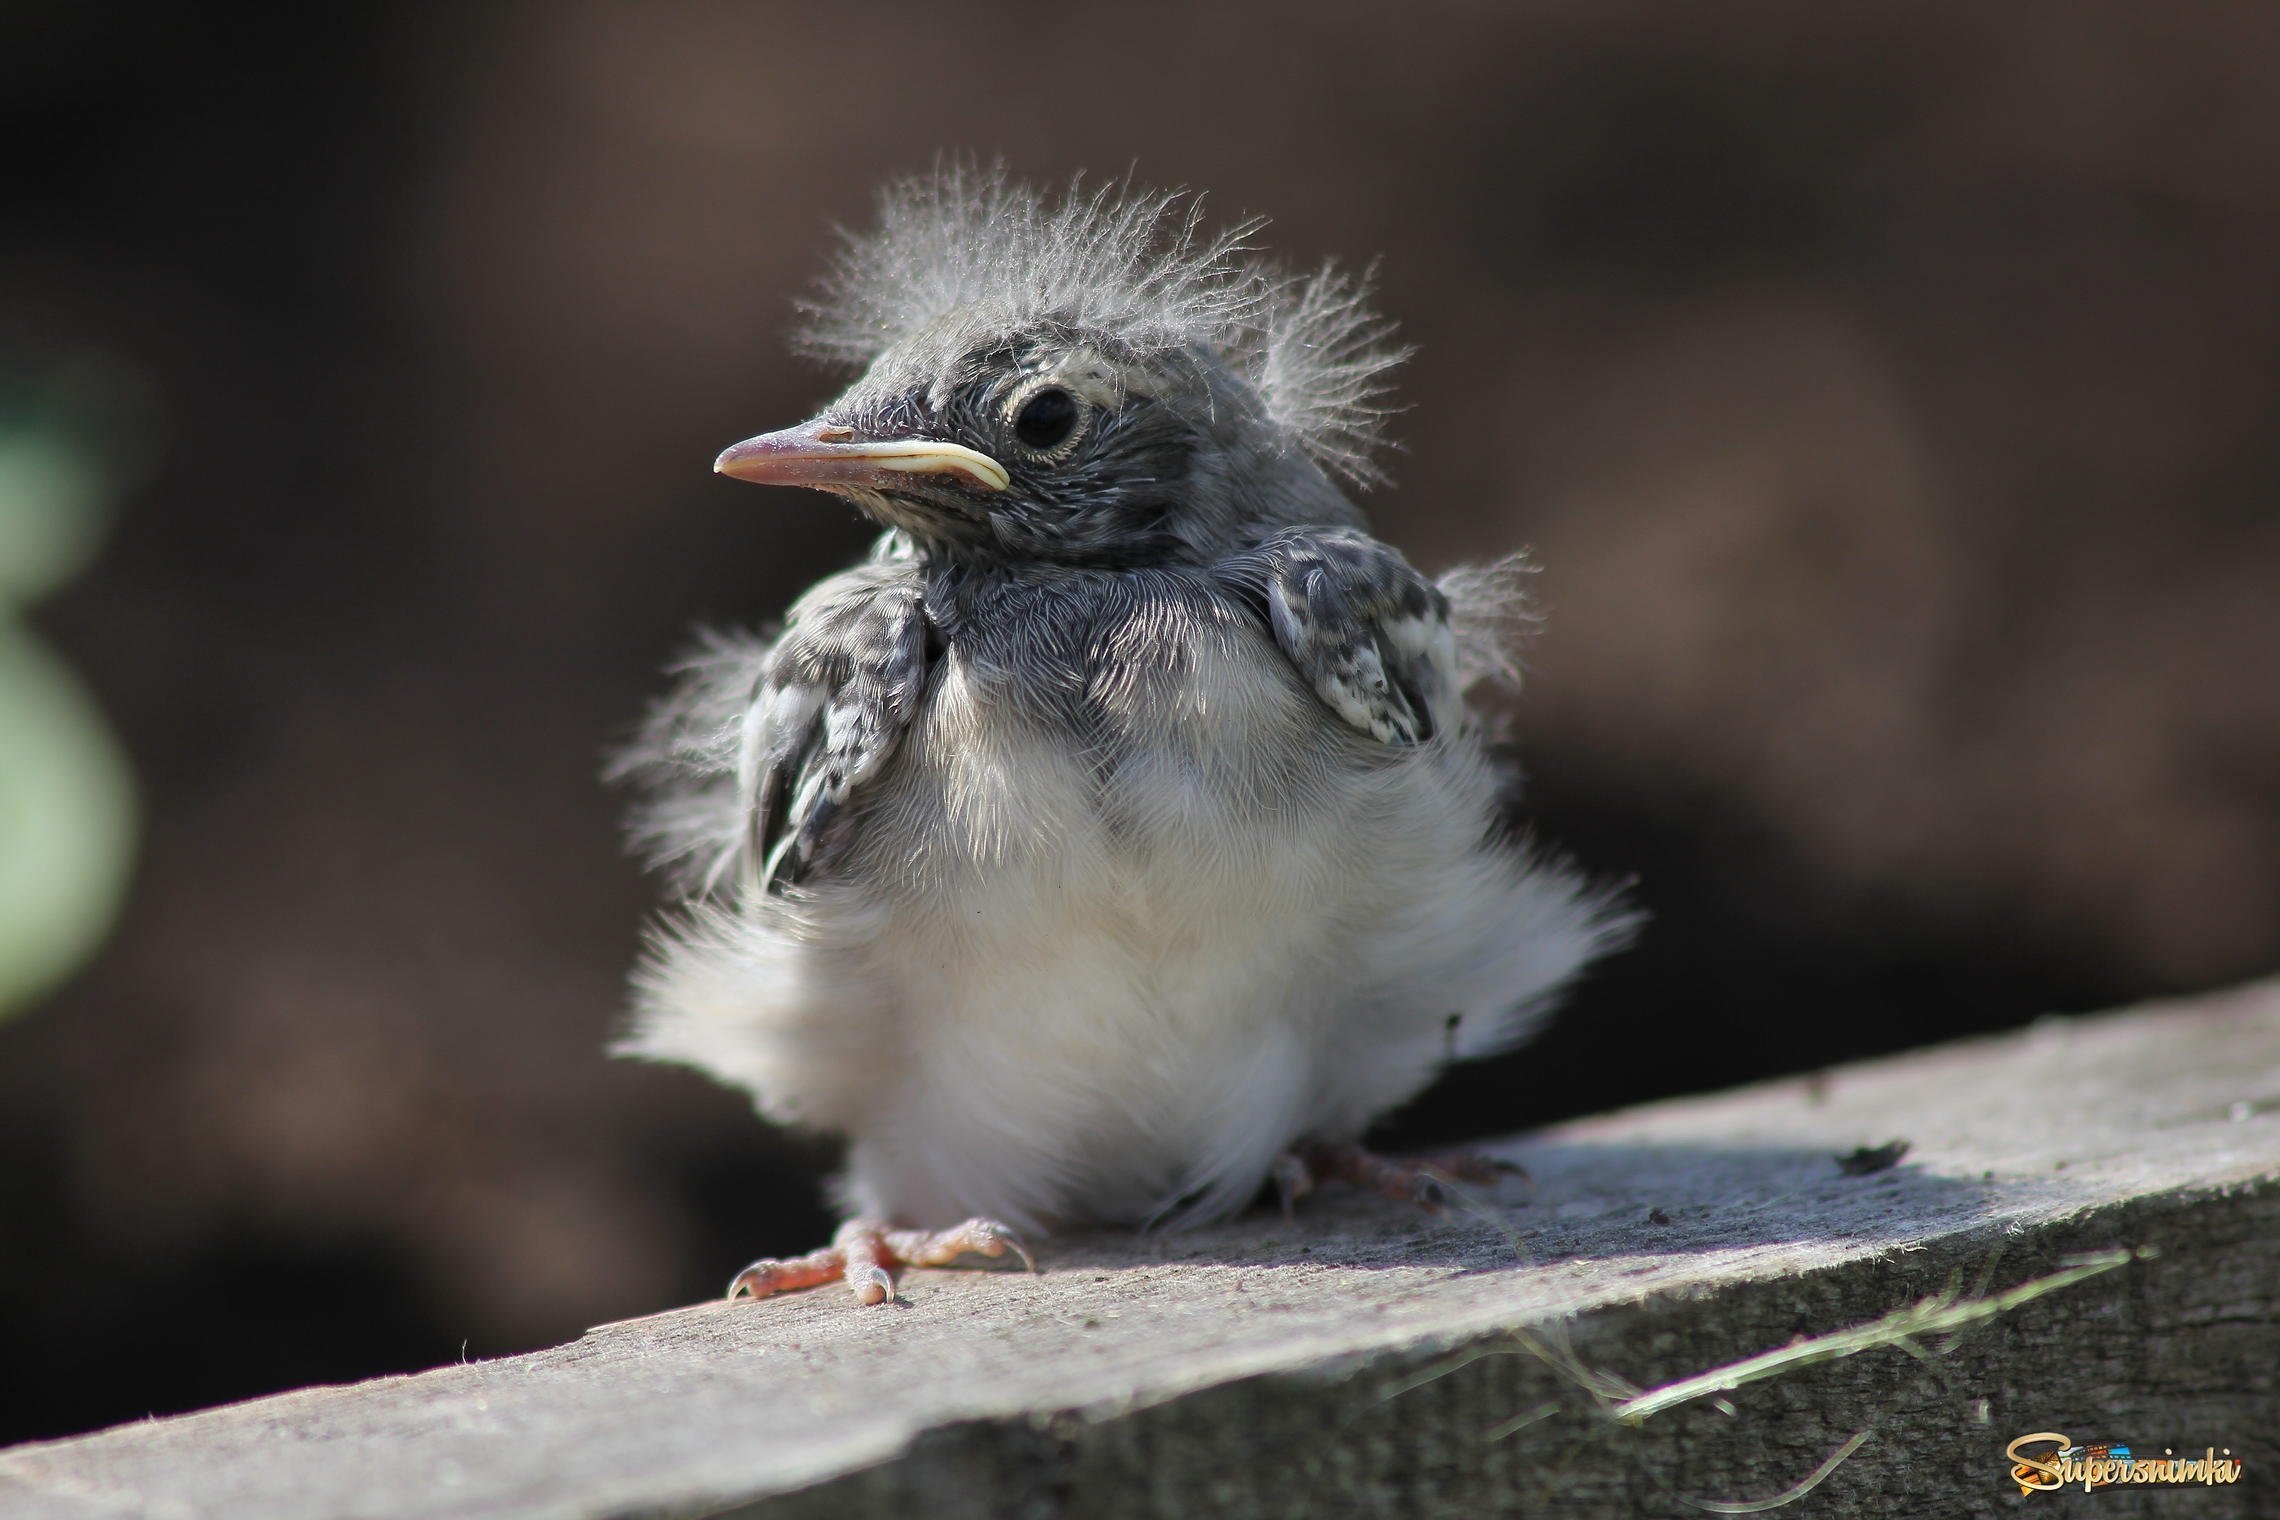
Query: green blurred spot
(67, 808)
(76, 432)
(52, 497)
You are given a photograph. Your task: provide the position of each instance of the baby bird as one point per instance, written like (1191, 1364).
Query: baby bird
(1118, 836)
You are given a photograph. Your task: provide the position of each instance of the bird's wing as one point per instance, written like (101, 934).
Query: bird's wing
(1368, 633)
(843, 684)
(749, 760)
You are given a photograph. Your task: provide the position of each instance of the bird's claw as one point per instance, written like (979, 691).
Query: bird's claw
(866, 1254)
(976, 1237)
(785, 1274)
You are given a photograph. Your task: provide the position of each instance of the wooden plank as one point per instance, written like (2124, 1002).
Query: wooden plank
(2120, 1173)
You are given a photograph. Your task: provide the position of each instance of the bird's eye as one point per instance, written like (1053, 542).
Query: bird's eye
(1046, 419)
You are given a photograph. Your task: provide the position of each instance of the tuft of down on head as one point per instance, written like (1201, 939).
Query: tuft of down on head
(967, 249)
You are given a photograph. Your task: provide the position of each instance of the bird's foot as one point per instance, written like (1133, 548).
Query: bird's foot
(1419, 1179)
(865, 1254)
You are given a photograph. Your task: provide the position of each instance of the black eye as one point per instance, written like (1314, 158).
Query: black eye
(1046, 419)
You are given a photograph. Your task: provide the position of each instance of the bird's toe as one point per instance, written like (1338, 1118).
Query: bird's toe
(942, 1248)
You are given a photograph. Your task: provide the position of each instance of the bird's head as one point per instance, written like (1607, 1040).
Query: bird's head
(1087, 380)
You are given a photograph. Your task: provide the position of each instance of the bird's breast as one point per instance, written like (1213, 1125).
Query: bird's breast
(1123, 864)
(1137, 737)
(1116, 875)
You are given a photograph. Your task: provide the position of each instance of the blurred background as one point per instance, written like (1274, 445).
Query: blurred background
(1890, 393)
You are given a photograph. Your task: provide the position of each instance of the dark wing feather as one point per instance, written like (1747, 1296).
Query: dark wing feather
(1366, 631)
(747, 765)
(852, 670)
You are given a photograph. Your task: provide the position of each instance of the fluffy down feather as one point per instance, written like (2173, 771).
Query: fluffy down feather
(968, 250)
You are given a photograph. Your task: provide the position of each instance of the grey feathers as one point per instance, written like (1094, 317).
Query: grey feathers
(967, 251)
(750, 760)
(1367, 632)
(842, 686)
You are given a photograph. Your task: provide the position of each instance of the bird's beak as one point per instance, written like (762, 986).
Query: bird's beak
(828, 457)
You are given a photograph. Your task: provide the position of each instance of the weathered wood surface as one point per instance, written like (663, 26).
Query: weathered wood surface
(1278, 1369)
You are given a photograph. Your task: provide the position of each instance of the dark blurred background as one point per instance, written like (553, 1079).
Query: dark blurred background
(1890, 392)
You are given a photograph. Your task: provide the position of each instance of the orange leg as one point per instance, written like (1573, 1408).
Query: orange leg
(865, 1255)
